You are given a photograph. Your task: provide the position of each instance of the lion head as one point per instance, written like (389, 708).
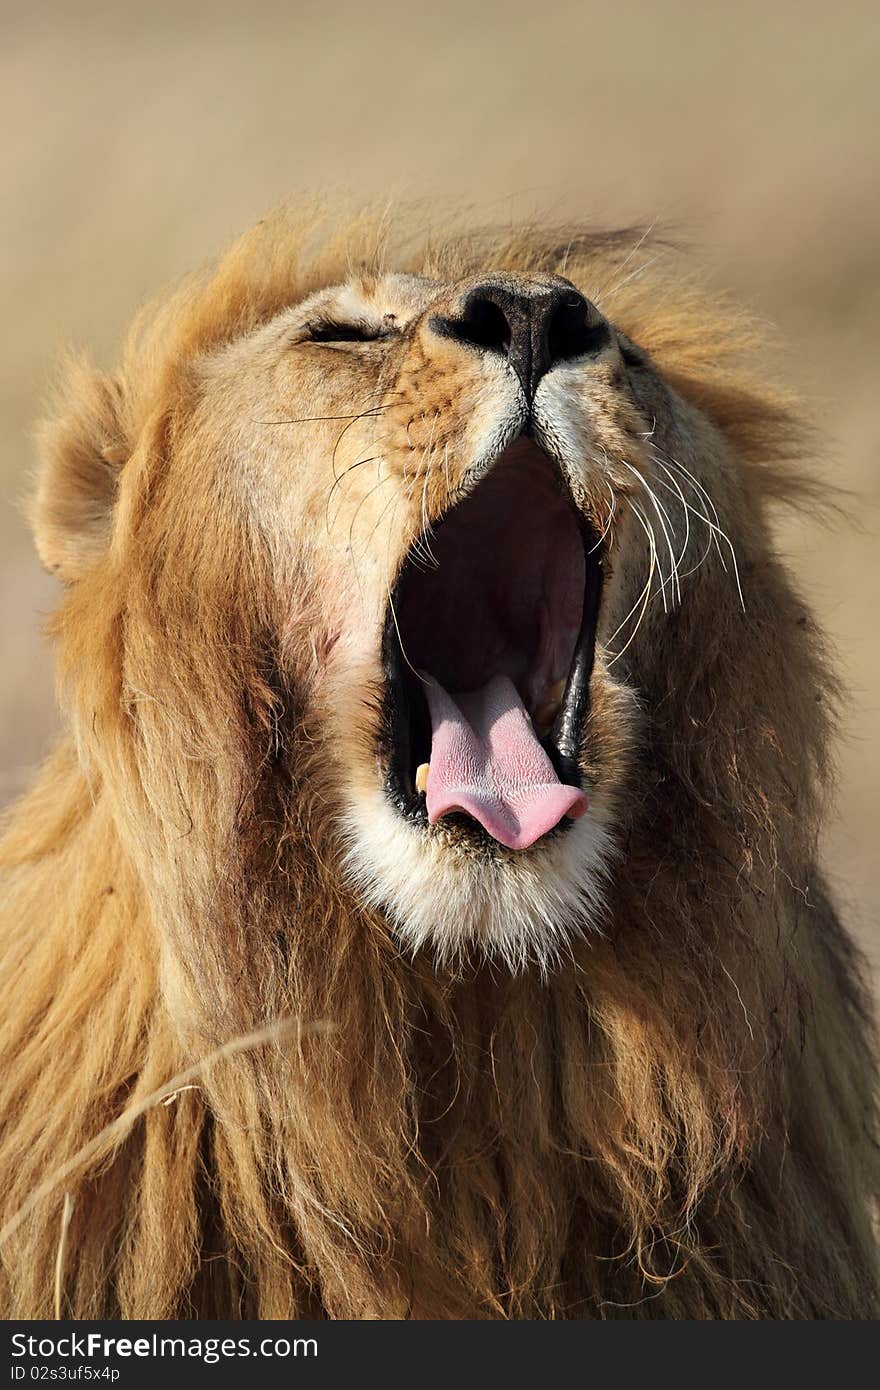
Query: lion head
(432, 677)
(459, 512)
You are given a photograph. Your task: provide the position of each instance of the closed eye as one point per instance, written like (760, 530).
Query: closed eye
(329, 331)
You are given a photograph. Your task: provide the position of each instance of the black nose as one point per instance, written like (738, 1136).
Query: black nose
(533, 330)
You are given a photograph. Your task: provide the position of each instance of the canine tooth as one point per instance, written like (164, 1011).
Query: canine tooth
(557, 691)
(422, 777)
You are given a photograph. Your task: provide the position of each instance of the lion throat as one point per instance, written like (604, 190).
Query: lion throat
(487, 762)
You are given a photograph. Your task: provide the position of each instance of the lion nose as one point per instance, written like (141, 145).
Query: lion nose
(534, 327)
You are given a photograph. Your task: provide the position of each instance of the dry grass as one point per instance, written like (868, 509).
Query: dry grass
(138, 140)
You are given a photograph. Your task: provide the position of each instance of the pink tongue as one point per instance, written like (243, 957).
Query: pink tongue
(487, 762)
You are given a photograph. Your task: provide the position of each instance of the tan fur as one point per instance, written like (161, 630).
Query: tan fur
(676, 1117)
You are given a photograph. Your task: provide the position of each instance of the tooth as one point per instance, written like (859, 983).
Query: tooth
(422, 777)
(557, 691)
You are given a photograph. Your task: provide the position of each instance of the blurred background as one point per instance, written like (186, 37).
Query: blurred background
(137, 139)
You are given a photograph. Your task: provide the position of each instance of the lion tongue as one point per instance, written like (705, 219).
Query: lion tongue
(487, 762)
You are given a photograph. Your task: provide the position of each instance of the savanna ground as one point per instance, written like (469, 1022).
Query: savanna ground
(138, 139)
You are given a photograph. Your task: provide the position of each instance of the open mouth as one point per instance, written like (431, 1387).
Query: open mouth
(488, 652)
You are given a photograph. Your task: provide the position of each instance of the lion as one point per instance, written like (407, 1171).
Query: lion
(421, 916)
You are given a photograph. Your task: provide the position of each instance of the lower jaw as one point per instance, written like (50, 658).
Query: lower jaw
(460, 898)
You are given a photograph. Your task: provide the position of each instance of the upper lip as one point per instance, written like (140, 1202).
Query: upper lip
(508, 581)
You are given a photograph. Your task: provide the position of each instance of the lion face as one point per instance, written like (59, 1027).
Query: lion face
(447, 460)
(459, 511)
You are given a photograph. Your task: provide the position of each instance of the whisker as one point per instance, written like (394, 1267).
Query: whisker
(326, 419)
(624, 622)
(665, 525)
(700, 492)
(427, 529)
(350, 469)
(607, 527)
(689, 510)
(652, 541)
(393, 501)
(343, 432)
(718, 530)
(420, 545)
(365, 498)
(691, 478)
(677, 492)
(416, 673)
(644, 598)
(633, 250)
(639, 270)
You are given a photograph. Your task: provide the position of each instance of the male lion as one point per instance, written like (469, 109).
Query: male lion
(422, 916)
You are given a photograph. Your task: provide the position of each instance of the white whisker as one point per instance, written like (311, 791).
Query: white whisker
(645, 595)
(633, 251)
(643, 599)
(391, 607)
(607, 527)
(717, 528)
(689, 510)
(639, 270)
(665, 526)
(686, 509)
(652, 543)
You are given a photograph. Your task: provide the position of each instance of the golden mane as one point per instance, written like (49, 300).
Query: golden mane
(678, 1122)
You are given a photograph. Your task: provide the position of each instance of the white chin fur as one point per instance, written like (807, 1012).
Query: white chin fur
(522, 908)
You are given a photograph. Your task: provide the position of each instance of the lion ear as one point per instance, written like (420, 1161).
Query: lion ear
(83, 448)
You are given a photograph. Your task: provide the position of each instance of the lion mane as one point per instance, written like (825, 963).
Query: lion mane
(230, 1086)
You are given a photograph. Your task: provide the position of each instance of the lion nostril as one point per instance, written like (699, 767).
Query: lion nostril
(573, 329)
(483, 324)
